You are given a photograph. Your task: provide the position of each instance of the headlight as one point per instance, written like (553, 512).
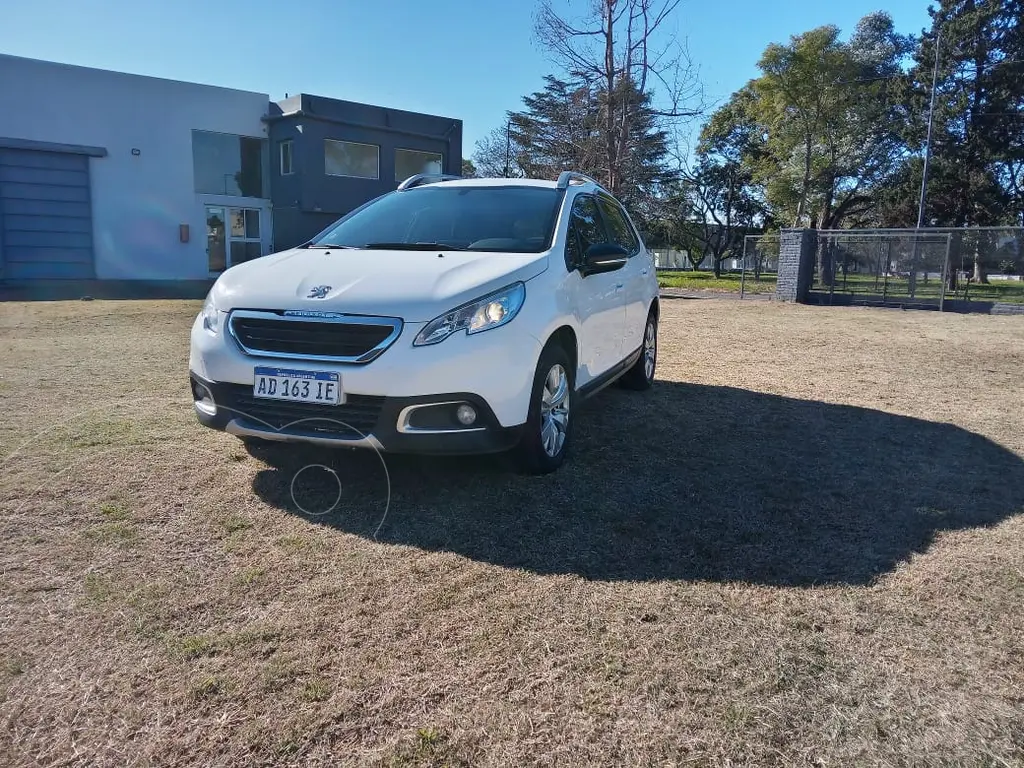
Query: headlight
(211, 317)
(483, 314)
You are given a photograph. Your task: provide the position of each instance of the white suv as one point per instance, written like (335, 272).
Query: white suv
(449, 316)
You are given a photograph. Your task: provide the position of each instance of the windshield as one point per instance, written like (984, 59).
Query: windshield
(511, 219)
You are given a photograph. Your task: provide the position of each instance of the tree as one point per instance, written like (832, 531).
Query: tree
(559, 130)
(495, 154)
(816, 129)
(612, 51)
(710, 210)
(978, 139)
(724, 205)
(468, 169)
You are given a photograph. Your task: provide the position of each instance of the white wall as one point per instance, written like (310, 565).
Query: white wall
(138, 202)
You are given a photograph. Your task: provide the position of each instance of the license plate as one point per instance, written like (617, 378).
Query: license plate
(297, 386)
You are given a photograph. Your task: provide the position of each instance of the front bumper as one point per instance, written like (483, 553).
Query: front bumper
(498, 366)
(360, 422)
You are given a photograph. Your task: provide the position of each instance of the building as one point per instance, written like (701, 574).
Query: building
(332, 156)
(116, 180)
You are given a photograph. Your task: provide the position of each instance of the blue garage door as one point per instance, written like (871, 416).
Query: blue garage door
(45, 219)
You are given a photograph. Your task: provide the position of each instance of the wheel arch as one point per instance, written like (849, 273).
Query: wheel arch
(565, 337)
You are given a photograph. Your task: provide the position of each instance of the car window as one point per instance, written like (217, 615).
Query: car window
(585, 229)
(511, 219)
(619, 230)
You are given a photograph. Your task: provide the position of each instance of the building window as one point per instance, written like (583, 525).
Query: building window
(285, 153)
(347, 158)
(226, 164)
(409, 162)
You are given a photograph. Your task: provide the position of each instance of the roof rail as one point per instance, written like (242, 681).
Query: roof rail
(425, 178)
(565, 178)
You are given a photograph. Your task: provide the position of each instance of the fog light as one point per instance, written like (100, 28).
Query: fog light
(204, 398)
(466, 414)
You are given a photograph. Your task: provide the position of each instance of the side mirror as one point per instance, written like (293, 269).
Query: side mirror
(603, 257)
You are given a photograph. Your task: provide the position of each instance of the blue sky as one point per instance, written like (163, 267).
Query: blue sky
(471, 59)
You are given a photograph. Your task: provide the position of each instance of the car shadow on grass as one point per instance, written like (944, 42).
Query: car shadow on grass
(683, 482)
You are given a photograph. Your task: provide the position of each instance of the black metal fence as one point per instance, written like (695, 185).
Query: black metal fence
(885, 267)
(907, 267)
(759, 267)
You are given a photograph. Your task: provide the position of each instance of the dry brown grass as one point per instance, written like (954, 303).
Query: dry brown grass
(803, 547)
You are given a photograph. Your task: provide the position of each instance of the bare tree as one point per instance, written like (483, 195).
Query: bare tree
(496, 154)
(615, 46)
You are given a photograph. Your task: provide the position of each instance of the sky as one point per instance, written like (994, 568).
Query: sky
(458, 58)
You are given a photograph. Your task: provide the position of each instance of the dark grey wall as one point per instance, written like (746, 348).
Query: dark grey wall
(796, 264)
(309, 200)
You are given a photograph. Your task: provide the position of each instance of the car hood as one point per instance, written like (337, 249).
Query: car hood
(416, 286)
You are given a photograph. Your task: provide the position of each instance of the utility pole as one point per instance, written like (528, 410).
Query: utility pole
(927, 162)
(928, 139)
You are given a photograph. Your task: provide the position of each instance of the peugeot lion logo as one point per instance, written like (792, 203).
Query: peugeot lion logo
(319, 292)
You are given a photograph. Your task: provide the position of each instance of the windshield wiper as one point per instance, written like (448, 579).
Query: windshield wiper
(414, 246)
(324, 245)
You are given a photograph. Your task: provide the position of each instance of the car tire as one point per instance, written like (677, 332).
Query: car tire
(641, 375)
(547, 434)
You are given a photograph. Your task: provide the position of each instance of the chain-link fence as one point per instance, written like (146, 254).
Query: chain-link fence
(999, 252)
(759, 265)
(906, 267)
(919, 267)
(888, 267)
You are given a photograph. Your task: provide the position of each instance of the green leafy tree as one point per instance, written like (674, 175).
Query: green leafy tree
(710, 210)
(817, 129)
(978, 140)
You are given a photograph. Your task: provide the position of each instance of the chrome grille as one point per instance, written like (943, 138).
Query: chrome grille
(330, 337)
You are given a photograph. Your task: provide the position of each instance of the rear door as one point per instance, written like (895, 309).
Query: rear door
(600, 307)
(635, 276)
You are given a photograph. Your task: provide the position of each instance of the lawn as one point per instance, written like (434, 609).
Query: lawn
(729, 282)
(801, 548)
(855, 284)
(996, 290)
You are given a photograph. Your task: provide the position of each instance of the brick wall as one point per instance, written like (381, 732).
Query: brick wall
(796, 264)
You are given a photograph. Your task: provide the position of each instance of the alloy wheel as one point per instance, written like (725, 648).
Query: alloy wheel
(650, 349)
(554, 410)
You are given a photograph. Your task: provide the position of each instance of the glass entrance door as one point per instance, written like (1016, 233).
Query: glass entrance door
(216, 238)
(245, 234)
(232, 236)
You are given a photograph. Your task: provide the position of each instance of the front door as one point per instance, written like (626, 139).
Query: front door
(232, 236)
(599, 299)
(635, 276)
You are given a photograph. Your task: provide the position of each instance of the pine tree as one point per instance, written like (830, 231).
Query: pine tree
(561, 129)
(978, 140)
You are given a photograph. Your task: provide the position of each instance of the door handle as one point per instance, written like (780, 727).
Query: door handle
(644, 272)
(618, 285)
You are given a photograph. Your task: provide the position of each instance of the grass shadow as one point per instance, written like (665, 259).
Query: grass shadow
(684, 482)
